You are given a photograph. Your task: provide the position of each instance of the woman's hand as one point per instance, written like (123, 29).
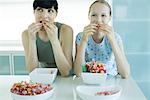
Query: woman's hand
(33, 29)
(89, 30)
(51, 30)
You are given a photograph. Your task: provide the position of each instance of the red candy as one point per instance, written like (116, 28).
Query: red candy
(25, 88)
(104, 93)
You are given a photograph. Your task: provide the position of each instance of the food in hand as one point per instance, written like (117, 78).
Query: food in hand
(95, 67)
(25, 88)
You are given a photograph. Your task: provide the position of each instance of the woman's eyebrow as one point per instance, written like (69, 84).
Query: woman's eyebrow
(39, 7)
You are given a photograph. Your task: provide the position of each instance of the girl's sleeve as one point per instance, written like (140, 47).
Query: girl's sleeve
(119, 39)
(78, 38)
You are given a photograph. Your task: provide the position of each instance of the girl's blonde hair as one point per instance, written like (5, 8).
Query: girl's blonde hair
(103, 2)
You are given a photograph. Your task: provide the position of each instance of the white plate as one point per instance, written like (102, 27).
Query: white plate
(88, 92)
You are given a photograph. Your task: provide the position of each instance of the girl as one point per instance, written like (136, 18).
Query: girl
(99, 42)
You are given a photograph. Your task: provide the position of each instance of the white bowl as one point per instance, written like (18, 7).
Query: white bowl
(43, 96)
(88, 92)
(43, 75)
(93, 78)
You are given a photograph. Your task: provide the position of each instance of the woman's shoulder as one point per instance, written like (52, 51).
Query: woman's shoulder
(25, 35)
(66, 32)
(25, 31)
(66, 29)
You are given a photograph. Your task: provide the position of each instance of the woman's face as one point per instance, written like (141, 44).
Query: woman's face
(43, 14)
(99, 13)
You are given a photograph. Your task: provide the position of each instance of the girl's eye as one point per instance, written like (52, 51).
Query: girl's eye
(94, 15)
(103, 15)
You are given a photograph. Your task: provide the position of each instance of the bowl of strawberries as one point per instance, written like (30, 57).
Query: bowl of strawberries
(94, 72)
(31, 91)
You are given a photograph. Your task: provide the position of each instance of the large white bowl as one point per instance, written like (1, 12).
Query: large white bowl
(43, 75)
(43, 96)
(93, 78)
(88, 92)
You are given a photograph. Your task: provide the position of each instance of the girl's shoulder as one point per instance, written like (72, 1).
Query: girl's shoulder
(118, 37)
(79, 37)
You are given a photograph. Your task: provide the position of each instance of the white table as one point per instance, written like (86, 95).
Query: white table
(65, 87)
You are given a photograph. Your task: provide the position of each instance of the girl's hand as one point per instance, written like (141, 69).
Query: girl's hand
(106, 29)
(89, 30)
(33, 29)
(51, 30)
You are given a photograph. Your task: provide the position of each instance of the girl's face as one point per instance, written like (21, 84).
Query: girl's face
(43, 14)
(99, 13)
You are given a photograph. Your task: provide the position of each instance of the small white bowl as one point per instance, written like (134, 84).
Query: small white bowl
(88, 92)
(43, 75)
(43, 96)
(93, 78)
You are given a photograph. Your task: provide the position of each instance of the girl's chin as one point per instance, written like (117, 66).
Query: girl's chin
(42, 29)
(99, 34)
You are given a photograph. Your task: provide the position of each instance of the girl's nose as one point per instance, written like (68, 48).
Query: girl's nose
(99, 20)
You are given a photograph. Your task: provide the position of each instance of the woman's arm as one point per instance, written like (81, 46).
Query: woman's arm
(63, 50)
(30, 51)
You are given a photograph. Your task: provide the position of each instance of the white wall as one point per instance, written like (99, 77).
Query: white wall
(16, 15)
(14, 18)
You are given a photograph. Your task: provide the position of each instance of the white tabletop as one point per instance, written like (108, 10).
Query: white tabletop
(65, 87)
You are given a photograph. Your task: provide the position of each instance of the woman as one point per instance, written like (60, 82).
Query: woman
(48, 43)
(99, 42)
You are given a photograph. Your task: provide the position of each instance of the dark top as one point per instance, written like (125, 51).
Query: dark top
(45, 51)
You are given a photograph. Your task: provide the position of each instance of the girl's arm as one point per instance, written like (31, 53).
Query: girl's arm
(79, 57)
(122, 63)
(80, 49)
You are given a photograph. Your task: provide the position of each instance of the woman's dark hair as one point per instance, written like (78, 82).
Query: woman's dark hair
(45, 4)
(103, 2)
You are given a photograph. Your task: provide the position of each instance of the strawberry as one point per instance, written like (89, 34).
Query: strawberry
(95, 67)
